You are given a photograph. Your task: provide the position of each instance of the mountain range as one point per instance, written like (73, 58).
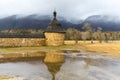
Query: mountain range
(107, 23)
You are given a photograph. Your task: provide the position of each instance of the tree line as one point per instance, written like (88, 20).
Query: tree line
(89, 33)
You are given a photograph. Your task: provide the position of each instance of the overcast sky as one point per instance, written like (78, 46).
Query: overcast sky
(70, 9)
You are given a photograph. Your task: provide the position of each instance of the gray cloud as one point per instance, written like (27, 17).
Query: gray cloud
(70, 9)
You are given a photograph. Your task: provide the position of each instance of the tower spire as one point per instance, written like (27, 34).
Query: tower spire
(54, 14)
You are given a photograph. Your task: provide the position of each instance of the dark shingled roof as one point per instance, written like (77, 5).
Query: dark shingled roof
(54, 26)
(14, 35)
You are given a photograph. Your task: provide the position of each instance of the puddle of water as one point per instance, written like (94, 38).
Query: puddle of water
(58, 66)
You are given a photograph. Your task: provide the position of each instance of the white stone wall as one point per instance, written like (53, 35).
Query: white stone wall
(12, 42)
(54, 38)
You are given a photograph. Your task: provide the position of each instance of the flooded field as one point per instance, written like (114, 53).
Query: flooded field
(57, 65)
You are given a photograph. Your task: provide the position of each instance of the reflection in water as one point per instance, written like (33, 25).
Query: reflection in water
(54, 61)
(88, 62)
(55, 66)
(54, 57)
(75, 70)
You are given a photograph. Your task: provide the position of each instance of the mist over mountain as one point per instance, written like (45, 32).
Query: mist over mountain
(108, 23)
(30, 22)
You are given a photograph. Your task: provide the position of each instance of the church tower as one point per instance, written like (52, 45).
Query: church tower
(54, 34)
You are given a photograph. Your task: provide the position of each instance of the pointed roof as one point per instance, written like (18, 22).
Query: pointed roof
(54, 25)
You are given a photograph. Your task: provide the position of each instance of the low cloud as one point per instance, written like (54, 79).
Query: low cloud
(70, 9)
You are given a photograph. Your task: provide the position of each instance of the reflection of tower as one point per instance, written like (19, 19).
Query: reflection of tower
(54, 61)
(88, 62)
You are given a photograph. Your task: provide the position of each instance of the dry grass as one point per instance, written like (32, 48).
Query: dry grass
(33, 49)
(110, 48)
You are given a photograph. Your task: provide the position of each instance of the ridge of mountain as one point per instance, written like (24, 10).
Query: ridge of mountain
(34, 21)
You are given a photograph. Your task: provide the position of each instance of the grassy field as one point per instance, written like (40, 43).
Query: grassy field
(111, 48)
(32, 49)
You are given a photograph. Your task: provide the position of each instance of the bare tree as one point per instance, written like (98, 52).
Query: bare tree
(99, 31)
(84, 36)
(89, 29)
(73, 34)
